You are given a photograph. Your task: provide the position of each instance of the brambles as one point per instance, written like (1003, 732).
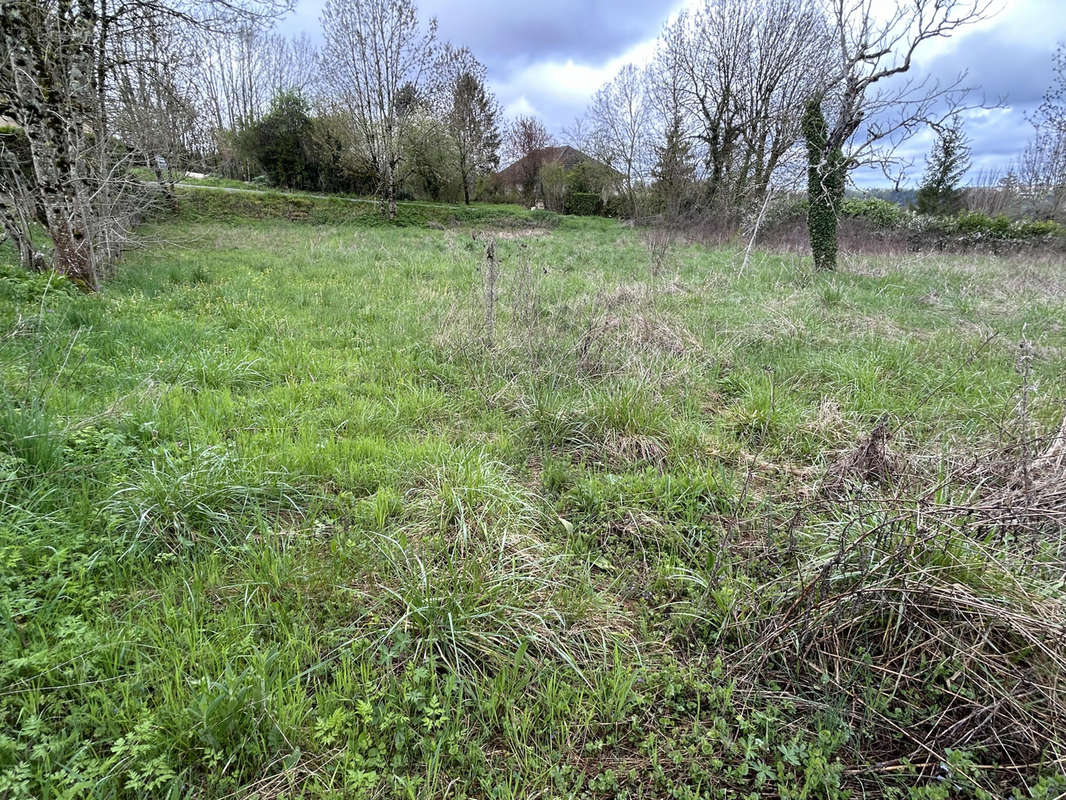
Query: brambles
(870, 462)
(957, 645)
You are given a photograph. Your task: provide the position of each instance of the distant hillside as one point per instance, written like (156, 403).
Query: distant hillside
(901, 197)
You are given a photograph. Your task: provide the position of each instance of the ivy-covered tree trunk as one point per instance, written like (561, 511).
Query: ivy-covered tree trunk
(825, 187)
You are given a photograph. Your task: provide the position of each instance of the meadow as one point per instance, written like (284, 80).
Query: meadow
(307, 505)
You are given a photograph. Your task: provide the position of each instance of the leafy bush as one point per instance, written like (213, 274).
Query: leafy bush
(881, 212)
(615, 207)
(583, 204)
(21, 286)
(890, 216)
(1001, 227)
(785, 209)
(281, 143)
(1042, 228)
(588, 176)
(976, 222)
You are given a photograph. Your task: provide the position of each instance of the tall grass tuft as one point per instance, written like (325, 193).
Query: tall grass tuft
(471, 582)
(181, 499)
(28, 434)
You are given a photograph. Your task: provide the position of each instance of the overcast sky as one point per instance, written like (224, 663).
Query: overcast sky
(547, 57)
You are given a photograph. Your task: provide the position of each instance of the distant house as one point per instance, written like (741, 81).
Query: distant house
(523, 176)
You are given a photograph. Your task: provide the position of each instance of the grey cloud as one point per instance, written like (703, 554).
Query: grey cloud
(997, 67)
(517, 34)
(510, 34)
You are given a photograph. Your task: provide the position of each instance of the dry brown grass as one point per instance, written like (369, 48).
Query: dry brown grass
(920, 622)
(869, 462)
(622, 331)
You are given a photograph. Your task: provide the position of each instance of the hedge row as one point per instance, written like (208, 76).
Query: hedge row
(217, 205)
(891, 217)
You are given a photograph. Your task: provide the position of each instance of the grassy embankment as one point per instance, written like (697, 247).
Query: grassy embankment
(278, 519)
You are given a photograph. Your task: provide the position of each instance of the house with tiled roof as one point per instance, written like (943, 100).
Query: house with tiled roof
(523, 177)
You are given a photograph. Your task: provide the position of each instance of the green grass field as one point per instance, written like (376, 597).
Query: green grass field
(306, 507)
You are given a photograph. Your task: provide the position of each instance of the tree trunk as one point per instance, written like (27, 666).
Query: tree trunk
(464, 172)
(165, 186)
(71, 257)
(55, 111)
(825, 187)
(822, 230)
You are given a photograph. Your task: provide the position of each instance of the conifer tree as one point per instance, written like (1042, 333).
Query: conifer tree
(674, 170)
(948, 162)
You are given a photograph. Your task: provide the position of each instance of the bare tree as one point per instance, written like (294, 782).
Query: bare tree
(707, 51)
(1052, 111)
(1040, 171)
(240, 73)
(237, 75)
(865, 109)
(789, 53)
(377, 57)
(578, 134)
(226, 76)
(155, 114)
(738, 73)
(619, 116)
(526, 139)
(1039, 174)
(70, 71)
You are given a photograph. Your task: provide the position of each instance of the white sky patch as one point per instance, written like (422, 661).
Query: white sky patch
(519, 108)
(573, 82)
(566, 84)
